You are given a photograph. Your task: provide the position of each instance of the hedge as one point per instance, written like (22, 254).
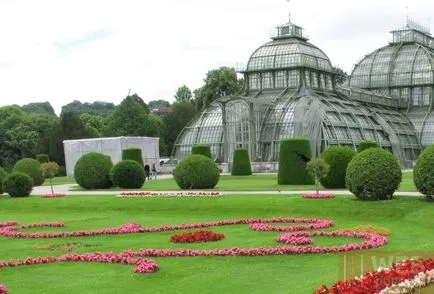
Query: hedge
(241, 163)
(92, 171)
(196, 172)
(366, 144)
(423, 172)
(201, 149)
(293, 156)
(3, 175)
(18, 184)
(128, 174)
(133, 153)
(338, 159)
(31, 167)
(42, 158)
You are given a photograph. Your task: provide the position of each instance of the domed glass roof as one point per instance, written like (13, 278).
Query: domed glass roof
(289, 49)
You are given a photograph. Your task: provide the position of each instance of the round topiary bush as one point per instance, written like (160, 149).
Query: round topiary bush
(128, 174)
(294, 154)
(241, 163)
(3, 175)
(92, 171)
(366, 144)
(196, 172)
(337, 158)
(42, 158)
(18, 184)
(32, 167)
(201, 149)
(373, 174)
(133, 154)
(423, 173)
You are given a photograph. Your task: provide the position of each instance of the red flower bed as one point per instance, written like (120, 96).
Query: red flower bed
(196, 237)
(374, 282)
(3, 289)
(55, 195)
(170, 194)
(318, 196)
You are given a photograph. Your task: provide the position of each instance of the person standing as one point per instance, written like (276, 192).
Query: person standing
(154, 171)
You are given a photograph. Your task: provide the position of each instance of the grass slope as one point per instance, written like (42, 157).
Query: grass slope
(406, 217)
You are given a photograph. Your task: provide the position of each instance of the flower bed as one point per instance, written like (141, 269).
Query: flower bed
(318, 196)
(170, 194)
(196, 237)
(3, 289)
(402, 277)
(300, 238)
(55, 195)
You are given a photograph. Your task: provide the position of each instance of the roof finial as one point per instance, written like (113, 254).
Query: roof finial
(289, 10)
(406, 7)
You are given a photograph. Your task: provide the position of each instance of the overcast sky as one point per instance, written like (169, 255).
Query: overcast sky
(88, 50)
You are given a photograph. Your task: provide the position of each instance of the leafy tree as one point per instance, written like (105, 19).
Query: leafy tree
(24, 139)
(93, 123)
(175, 121)
(317, 169)
(158, 104)
(183, 94)
(341, 77)
(39, 107)
(50, 170)
(131, 118)
(218, 83)
(98, 107)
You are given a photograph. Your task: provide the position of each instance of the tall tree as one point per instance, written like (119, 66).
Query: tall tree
(173, 122)
(183, 94)
(218, 83)
(341, 76)
(158, 104)
(24, 139)
(39, 107)
(97, 107)
(131, 118)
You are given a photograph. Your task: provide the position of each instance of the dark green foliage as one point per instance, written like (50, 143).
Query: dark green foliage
(293, 157)
(196, 172)
(61, 172)
(365, 144)
(3, 175)
(373, 174)
(42, 158)
(241, 163)
(39, 107)
(92, 171)
(337, 158)
(201, 149)
(31, 167)
(97, 107)
(423, 173)
(133, 154)
(18, 184)
(128, 174)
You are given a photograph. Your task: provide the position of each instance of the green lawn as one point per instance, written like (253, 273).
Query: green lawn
(409, 219)
(60, 181)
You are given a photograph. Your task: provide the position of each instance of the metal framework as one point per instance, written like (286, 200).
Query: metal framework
(290, 91)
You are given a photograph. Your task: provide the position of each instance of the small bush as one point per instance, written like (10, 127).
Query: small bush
(423, 173)
(133, 154)
(373, 174)
(128, 174)
(3, 175)
(201, 149)
(366, 144)
(32, 167)
(42, 158)
(241, 163)
(294, 154)
(338, 159)
(92, 171)
(196, 172)
(18, 184)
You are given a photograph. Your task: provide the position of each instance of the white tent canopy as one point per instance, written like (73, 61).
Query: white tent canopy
(113, 147)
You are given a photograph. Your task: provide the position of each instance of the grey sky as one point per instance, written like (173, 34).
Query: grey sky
(91, 50)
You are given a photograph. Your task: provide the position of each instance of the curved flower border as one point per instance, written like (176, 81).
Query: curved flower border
(196, 237)
(144, 265)
(55, 195)
(319, 196)
(169, 194)
(403, 277)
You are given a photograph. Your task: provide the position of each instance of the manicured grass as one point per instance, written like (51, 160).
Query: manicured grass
(407, 184)
(60, 181)
(407, 217)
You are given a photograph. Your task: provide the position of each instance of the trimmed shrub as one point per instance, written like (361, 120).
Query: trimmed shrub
(92, 171)
(373, 174)
(201, 149)
(128, 174)
(42, 158)
(18, 184)
(133, 153)
(196, 172)
(3, 175)
(337, 158)
(294, 154)
(423, 173)
(366, 144)
(32, 167)
(241, 163)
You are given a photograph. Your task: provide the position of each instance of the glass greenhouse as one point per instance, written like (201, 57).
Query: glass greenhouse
(290, 91)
